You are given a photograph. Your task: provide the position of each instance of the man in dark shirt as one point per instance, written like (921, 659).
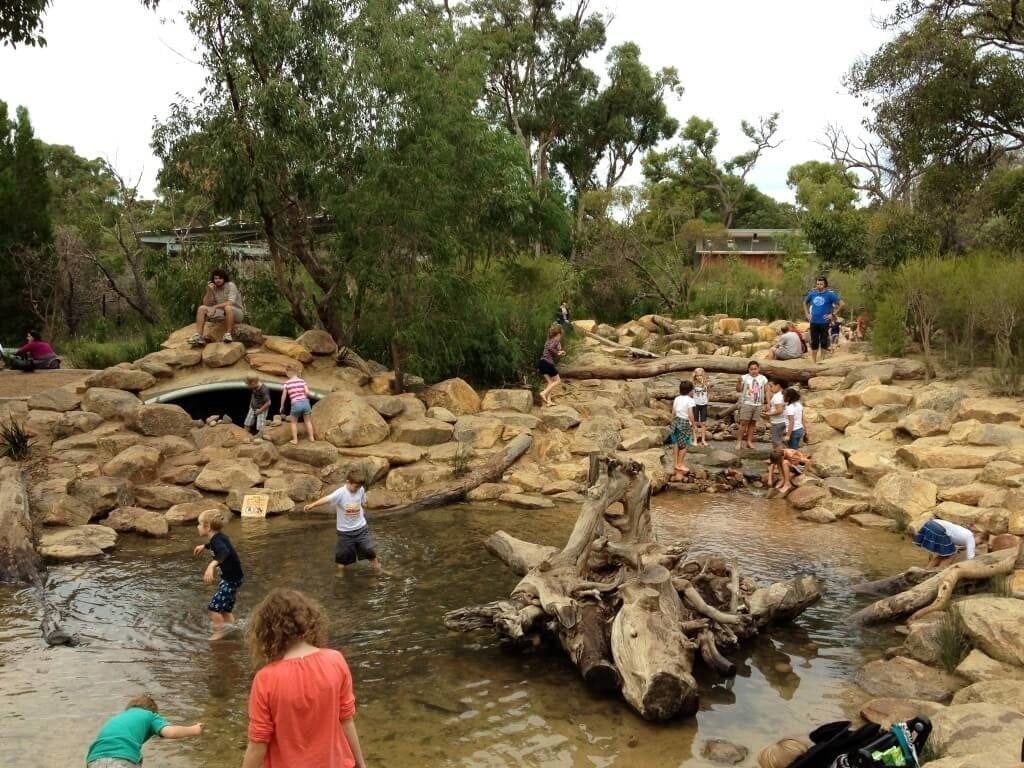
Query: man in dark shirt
(224, 556)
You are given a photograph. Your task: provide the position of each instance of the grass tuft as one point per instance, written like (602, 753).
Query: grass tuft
(14, 440)
(953, 642)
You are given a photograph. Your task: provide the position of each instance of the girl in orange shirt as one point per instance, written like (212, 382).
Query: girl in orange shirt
(301, 706)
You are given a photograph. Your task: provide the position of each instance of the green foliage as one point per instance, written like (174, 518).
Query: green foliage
(15, 441)
(107, 344)
(461, 461)
(21, 21)
(888, 332)
(822, 187)
(953, 642)
(839, 238)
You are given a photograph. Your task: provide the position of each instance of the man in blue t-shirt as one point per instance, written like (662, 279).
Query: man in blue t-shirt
(819, 306)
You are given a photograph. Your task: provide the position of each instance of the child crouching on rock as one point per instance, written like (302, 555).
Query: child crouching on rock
(119, 742)
(785, 462)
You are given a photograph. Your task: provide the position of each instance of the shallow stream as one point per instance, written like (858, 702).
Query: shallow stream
(427, 697)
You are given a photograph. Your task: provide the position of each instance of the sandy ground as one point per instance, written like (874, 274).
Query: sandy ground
(15, 385)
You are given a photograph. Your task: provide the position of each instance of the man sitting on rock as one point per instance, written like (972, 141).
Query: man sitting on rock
(788, 346)
(222, 301)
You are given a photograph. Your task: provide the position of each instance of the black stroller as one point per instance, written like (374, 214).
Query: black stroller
(837, 745)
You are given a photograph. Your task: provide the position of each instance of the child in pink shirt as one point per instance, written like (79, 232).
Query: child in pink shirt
(297, 393)
(301, 705)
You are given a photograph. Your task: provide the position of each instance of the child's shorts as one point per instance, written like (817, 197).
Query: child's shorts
(778, 433)
(260, 420)
(700, 412)
(354, 545)
(300, 408)
(224, 599)
(113, 762)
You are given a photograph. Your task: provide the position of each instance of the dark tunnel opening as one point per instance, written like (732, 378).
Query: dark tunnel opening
(227, 399)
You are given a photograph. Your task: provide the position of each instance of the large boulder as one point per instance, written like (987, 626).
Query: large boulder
(221, 355)
(318, 342)
(478, 431)
(881, 372)
(348, 421)
(421, 431)
(388, 406)
(903, 677)
(926, 423)
(1003, 473)
(412, 476)
(249, 335)
(807, 496)
(177, 357)
(188, 513)
(271, 363)
(109, 403)
(89, 497)
(995, 626)
(396, 454)
(278, 499)
(641, 438)
(885, 711)
(455, 395)
(992, 520)
(841, 418)
(121, 377)
(978, 666)
(599, 434)
(222, 475)
(59, 399)
(137, 464)
(870, 466)
(75, 422)
(925, 455)
(508, 400)
(828, 460)
(990, 410)
(220, 436)
(299, 486)
(159, 419)
(976, 729)
(137, 520)
(288, 347)
(318, 454)
(940, 397)
(161, 496)
(560, 417)
(1006, 693)
(902, 495)
(78, 542)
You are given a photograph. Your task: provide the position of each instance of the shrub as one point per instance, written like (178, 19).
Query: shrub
(14, 440)
(888, 332)
(953, 642)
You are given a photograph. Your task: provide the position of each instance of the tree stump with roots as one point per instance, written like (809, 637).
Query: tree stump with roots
(632, 613)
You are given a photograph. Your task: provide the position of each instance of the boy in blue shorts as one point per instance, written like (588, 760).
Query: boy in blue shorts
(225, 557)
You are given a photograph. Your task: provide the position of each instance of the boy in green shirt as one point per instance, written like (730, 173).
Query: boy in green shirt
(119, 742)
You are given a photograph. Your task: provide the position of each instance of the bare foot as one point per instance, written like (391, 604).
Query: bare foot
(785, 489)
(294, 442)
(684, 470)
(750, 445)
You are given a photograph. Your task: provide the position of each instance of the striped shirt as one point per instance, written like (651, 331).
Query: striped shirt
(296, 389)
(551, 349)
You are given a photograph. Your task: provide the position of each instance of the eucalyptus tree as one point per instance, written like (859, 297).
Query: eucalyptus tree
(21, 21)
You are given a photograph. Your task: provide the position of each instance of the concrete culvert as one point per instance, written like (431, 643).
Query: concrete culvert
(223, 398)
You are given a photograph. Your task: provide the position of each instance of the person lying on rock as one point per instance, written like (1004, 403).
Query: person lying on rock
(34, 353)
(785, 462)
(943, 538)
(221, 302)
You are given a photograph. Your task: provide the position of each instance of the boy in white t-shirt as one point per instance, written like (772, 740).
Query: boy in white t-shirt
(751, 387)
(774, 412)
(682, 428)
(354, 542)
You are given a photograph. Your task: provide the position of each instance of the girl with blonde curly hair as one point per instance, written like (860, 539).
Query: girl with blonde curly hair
(301, 706)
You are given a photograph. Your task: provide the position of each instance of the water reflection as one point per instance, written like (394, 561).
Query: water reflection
(426, 697)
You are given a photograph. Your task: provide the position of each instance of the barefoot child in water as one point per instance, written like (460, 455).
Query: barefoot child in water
(119, 742)
(297, 393)
(354, 542)
(224, 556)
(786, 462)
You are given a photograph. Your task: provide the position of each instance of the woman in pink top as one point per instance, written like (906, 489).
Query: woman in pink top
(34, 353)
(301, 706)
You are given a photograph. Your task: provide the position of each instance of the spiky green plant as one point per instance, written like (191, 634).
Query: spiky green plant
(15, 441)
(953, 642)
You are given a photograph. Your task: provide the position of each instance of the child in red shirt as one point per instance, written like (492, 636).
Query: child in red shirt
(301, 706)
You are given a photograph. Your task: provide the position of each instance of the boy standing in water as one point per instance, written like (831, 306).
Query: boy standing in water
(224, 556)
(354, 542)
(119, 742)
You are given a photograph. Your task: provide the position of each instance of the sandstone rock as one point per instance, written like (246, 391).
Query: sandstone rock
(845, 488)
(271, 363)
(423, 431)
(807, 496)
(220, 355)
(902, 677)
(249, 335)
(882, 394)
(220, 436)
(947, 478)
(179, 357)
(488, 492)
(396, 454)
(1003, 473)
(641, 438)
(279, 500)
(117, 377)
(723, 752)
(926, 423)
(412, 476)
(995, 625)
(516, 419)
(828, 460)
(387, 406)
(160, 419)
(78, 542)
(382, 498)
(978, 666)
(970, 729)
(100, 494)
(871, 520)
(222, 475)
(980, 433)
(1005, 693)
(318, 342)
(136, 520)
(109, 403)
(508, 400)
(939, 397)
(348, 421)
(455, 395)
(156, 369)
(137, 464)
(902, 495)
(885, 712)
(923, 642)
(263, 452)
(373, 469)
(971, 493)
(883, 372)
(526, 501)
(994, 520)
(441, 414)
(527, 479)
(818, 515)
(870, 466)
(825, 383)
(989, 410)
(478, 431)
(560, 417)
(73, 422)
(318, 454)
(931, 456)
(841, 418)
(59, 399)
(289, 348)
(111, 440)
(598, 434)
(299, 487)
(188, 513)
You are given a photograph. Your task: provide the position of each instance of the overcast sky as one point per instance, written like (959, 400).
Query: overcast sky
(107, 74)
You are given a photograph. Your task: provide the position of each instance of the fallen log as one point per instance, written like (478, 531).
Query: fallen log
(891, 585)
(927, 593)
(634, 351)
(491, 471)
(630, 612)
(787, 371)
(19, 563)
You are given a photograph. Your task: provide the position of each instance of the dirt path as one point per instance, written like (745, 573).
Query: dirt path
(15, 385)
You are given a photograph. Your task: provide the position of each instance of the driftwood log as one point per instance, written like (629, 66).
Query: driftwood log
(933, 592)
(632, 613)
(634, 351)
(490, 471)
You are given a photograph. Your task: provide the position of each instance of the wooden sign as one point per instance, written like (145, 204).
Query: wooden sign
(255, 505)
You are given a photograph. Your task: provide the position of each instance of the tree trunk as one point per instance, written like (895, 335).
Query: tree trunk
(785, 370)
(489, 472)
(19, 563)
